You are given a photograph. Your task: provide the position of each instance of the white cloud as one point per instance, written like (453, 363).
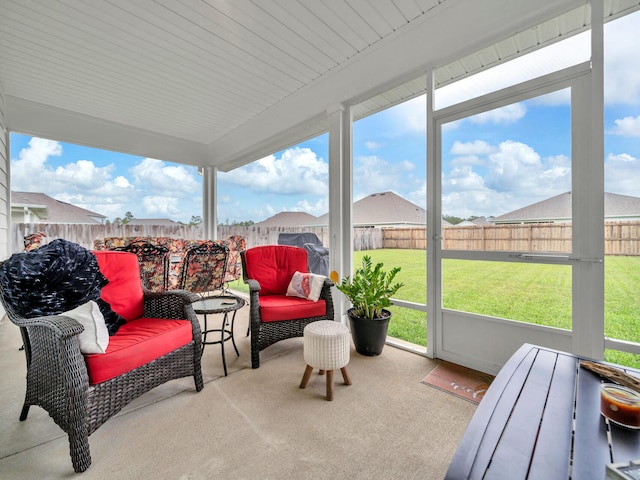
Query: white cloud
(622, 76)
(161, 205)
(156, 175)
(507, 114)
(318, 208)
(411, 115)
(493, 179)
(156, 188)
(627, 127)
(478, 147)
(297, 171)
(371, 145)
(374, 174)
(621, 174)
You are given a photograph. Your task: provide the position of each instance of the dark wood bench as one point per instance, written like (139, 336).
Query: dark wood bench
(524, 426)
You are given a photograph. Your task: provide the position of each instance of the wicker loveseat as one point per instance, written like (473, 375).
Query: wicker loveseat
(160, 341)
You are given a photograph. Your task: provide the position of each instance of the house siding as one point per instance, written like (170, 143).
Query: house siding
(4, 181)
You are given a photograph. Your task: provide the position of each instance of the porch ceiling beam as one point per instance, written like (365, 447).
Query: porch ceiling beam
(54, 123)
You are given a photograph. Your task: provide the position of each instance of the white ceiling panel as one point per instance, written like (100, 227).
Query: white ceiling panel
(189, 69)
(200, 71)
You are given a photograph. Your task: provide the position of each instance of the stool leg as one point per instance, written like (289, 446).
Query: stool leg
(345, 376)
(329, 385)
(306, 376)
(321, 372)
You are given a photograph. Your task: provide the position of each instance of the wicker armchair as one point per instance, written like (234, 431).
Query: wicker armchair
(60, 378)
(274, 315)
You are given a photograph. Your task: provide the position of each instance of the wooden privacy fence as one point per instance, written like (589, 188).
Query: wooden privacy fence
(85, 234)
(621, 237)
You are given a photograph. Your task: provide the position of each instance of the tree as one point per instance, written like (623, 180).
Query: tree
(195, 220)
(245, 223)
(452, 219)
(127, 218)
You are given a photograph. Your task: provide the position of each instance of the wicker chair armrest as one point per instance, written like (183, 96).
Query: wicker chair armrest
(175, 304)
(254, 286)
(59, 325)
(169, 304)
(328, 282)
(325, 294)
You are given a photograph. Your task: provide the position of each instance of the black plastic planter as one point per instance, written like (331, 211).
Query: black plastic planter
(369, 335)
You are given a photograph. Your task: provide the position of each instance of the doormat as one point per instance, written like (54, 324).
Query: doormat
(460, 381)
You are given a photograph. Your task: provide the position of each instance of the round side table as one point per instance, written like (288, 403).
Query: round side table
(224, 304)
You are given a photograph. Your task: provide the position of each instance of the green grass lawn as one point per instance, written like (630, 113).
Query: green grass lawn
(533, 293)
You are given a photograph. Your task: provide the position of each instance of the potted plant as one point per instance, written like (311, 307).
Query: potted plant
(369, 290)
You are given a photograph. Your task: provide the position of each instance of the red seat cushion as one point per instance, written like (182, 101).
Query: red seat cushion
(124, 290)
(281, 307)
(136, 343)
(273, 266)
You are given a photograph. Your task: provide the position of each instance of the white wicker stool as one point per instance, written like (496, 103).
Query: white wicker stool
(326, 347)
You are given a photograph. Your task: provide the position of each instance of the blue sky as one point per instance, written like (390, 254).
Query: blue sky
(493, 163)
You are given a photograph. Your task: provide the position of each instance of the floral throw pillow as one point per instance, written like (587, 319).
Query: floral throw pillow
(306, 285)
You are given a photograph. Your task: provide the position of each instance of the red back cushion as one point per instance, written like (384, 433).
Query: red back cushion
(124, 290)
(274, 265)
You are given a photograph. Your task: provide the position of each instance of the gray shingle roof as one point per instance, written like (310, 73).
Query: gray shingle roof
(289, 219)
(384, 208)
(558, 209)
(56, 211)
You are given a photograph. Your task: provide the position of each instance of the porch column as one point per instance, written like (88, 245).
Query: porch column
(340, 200)
(588, 192)
(210, 202)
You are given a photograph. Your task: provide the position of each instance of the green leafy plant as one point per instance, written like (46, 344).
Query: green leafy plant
(370, 288)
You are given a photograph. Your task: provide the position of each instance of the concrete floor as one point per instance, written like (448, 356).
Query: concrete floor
(251, 424)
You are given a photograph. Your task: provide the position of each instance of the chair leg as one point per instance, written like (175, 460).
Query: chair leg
(329, 385)
(24, 412)
(79, 449)
(306, 376)
(345, 376)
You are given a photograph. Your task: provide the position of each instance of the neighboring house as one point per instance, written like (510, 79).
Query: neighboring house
(289, 219)
(385, 209)
(558, 210)
(482, 221)
(31, 207)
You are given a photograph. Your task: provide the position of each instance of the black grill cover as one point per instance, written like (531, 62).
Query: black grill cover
(318, 255)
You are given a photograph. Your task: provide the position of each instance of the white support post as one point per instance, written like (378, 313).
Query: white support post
(434, 227)
(340, 200)
(210, 202)
(588, 199)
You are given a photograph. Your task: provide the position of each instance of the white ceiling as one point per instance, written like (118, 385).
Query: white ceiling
(221, 81)
(190, 69)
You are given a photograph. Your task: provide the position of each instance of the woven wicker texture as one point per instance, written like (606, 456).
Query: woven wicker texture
(58, 381)
(326, 345)
(264, 334)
